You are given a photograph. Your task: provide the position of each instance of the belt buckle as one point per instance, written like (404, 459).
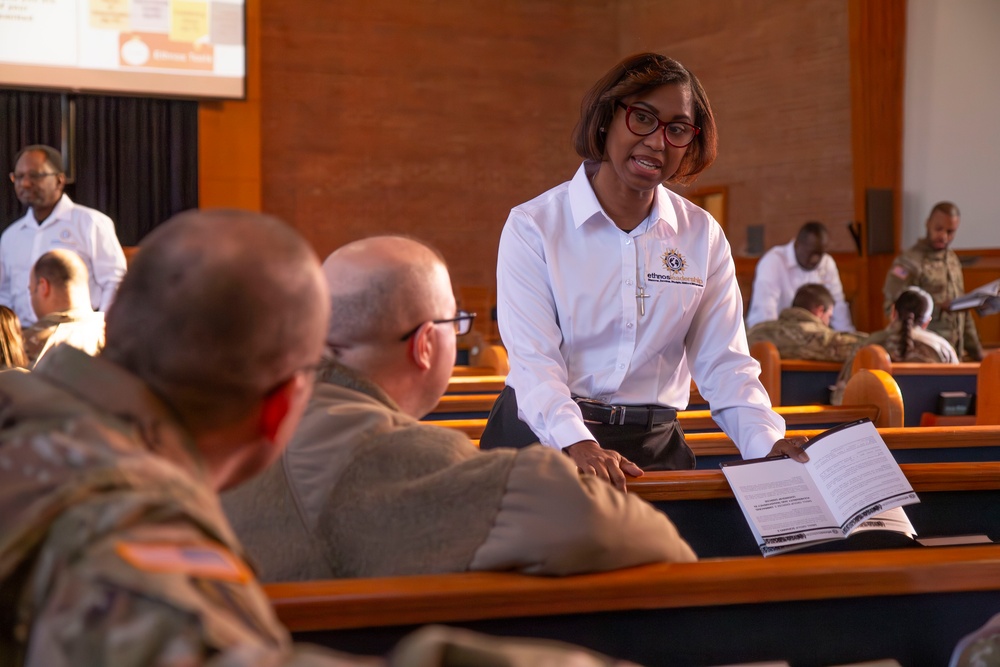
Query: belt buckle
(617, 415)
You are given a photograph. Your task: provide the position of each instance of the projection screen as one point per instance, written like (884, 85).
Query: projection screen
(173, 48)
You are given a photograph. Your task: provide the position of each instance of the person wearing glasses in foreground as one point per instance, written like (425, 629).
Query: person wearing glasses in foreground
(610, 287)
(53, 221)
(366, 490)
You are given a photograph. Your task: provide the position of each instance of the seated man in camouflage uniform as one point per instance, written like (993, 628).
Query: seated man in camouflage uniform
(803, 331)
(113, 546)
(59, 284)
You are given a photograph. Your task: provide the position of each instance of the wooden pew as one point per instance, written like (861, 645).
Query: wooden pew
(988, 390)
(871, 394)
(932, 444)
(809, 609)
(956, 498)
(920, 383)
(794, 381)
(453, 404)
(476, 384)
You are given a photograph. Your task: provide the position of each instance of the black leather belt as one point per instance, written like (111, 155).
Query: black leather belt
(622, 415)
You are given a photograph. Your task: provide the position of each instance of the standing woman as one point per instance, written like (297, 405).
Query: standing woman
(611, 287)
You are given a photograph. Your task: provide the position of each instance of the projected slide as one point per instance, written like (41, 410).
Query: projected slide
(186, 48)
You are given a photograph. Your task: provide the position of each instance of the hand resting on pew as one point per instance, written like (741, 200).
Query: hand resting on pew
(607, 464)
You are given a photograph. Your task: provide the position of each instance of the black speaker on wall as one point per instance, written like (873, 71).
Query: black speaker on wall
(879, 216)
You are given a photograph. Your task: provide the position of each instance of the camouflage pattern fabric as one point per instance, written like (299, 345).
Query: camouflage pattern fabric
(114, 549)
(939, 273)
(798, 334)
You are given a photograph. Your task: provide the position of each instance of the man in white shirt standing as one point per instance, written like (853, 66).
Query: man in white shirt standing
(54, 221)
(785, 268)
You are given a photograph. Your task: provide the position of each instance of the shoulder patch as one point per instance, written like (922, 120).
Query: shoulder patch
(900, 271)
(206, 561)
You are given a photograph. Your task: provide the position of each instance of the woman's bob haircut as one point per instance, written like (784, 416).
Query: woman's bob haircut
(636, 75)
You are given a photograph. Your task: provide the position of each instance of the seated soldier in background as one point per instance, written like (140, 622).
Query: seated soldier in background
(59, 284)
(785, 268)
(113, 546)
(907, 338)
(803, 331)
(364, 489)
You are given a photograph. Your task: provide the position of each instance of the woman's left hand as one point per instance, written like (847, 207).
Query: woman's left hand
(791, 447)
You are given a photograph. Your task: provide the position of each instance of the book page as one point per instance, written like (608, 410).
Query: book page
(894, 520)
(781, 503)
(856, 473)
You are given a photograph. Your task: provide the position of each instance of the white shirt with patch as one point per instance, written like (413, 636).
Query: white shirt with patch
(779, 276)
(89, 233)
(567, 280)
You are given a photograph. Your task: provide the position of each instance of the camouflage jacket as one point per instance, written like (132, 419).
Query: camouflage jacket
(113, 547)
(798, 334)
(939, 273)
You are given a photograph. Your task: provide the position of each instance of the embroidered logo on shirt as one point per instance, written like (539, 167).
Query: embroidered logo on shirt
(201, 560)
(675, 265)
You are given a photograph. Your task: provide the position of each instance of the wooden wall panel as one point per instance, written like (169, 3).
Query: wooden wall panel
(229, 158)
(776, 72)
(878, 47)
(431, 119)
(435, 118)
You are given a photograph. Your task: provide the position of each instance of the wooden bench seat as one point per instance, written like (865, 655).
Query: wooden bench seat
(956, 498)
(794, 381)
(476, 384)
(934, 444)
(920, 383)
(809, 609)
(870, 394)
(701, 420)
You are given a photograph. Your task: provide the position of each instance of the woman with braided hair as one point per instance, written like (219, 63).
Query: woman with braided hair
(906, 338)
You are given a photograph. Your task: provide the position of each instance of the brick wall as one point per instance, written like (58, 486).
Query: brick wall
(435, 118)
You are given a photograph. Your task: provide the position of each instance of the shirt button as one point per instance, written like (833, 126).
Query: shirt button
(628, 241)
(628, 326)
(628, 282)
(621, 365)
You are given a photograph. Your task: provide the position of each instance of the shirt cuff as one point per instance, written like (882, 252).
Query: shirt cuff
(569, 433)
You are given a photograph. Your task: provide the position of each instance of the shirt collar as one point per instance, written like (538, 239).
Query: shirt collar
(127, 398)
(788, 254)
(585, 206)
(61, 210)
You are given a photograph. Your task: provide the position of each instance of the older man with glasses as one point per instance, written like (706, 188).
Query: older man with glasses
(53, 221)
(364, 489)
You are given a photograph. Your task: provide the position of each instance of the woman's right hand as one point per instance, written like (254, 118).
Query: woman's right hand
(607, 464)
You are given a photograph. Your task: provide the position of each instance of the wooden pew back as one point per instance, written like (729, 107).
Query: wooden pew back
(913, 605)
(920, 383)
(871, 394)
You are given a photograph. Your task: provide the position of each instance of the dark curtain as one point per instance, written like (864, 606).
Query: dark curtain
(135, 159)
(25, 118)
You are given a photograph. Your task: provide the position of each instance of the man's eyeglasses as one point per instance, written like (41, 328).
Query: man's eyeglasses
(643, 123)
(32, 176)
(462, 323)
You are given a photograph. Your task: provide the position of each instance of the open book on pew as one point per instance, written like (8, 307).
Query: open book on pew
(850, 483)
(985, 299)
